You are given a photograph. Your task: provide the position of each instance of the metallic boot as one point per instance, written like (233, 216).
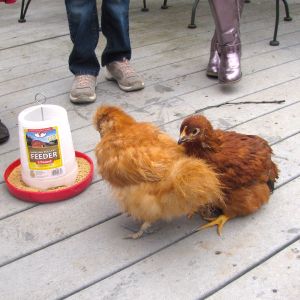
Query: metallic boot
(214, 59)
(227, 21)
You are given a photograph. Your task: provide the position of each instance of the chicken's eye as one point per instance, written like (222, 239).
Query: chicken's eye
(195, 131)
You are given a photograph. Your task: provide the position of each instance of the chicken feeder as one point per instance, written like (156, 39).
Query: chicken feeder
(48, 161)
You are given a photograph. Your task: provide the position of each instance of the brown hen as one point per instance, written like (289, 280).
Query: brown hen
(150, 175)
(243, 161)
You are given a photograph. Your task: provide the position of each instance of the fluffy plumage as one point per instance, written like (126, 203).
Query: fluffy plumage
(149, 173)
(243, 161)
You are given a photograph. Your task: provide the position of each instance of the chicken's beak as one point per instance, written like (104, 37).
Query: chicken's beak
(183, 137)
(182, 140)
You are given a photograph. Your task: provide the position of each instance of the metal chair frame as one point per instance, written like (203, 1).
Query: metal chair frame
(287, 17)
(24, 8)
(273, 42)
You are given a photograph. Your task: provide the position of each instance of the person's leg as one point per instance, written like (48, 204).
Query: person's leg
(4, 134)
(227, 21)
(84, 31)
(117, 53)
(83, 62)
(115, 28)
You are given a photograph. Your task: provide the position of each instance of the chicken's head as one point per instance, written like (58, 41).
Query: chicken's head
(196, 129)
(110, 118)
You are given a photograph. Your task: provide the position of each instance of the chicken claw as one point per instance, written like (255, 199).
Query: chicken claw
(139, 234)
(219, 221)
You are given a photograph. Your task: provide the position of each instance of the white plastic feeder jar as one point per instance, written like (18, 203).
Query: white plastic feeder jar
(35, 121)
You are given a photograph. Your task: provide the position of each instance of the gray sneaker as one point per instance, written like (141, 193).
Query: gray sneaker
(83, 89)
(126, 77)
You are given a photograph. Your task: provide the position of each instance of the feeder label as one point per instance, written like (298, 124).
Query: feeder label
(43, 150)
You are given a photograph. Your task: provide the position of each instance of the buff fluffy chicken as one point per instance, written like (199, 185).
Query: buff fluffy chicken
(243, 161)
(150, 175)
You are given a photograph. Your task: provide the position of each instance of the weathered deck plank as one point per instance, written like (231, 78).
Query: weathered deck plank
(159, 92)
(202, 263)
(99, 245)
(48, 55)
(46, 15)
(277, 278)
(100, 252)
(55, 87)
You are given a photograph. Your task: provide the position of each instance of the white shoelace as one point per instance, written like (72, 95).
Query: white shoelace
(126, 68)
(84, 81)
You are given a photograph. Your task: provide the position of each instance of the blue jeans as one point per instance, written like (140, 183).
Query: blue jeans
(84, 31)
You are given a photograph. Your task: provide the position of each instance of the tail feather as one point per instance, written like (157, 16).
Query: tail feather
(271, 185)
(274, 174)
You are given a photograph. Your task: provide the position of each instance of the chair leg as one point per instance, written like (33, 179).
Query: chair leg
(23, 11)
(165, 5)
(144, 8)
(287, 11)
(192, 24)
(274, 42)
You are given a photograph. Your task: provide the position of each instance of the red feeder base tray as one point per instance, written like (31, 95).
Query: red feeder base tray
(53, 195)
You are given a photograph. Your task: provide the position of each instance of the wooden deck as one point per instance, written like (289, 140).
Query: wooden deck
(75, 249)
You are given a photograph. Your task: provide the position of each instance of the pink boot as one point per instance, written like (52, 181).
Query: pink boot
(214, 59)
(226, 14)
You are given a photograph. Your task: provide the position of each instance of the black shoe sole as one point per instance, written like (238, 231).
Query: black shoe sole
(4, 139)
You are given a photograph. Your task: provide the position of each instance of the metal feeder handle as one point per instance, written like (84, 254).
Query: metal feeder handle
(40, 99)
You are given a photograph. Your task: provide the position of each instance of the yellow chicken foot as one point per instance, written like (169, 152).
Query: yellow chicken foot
(219, 221)
(138, 234)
